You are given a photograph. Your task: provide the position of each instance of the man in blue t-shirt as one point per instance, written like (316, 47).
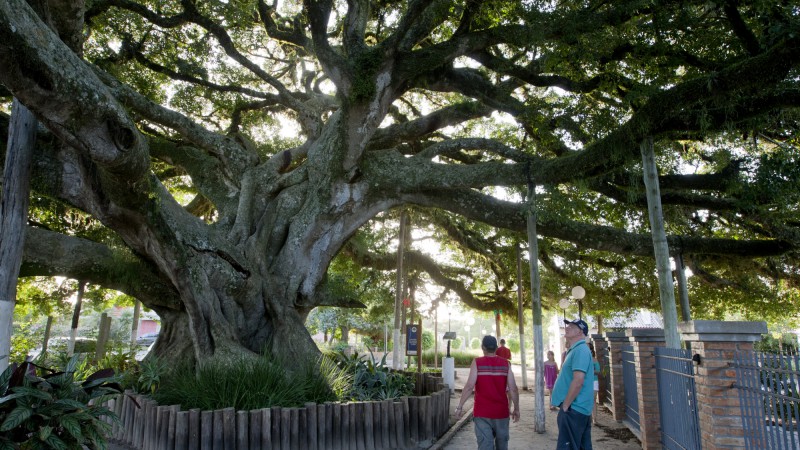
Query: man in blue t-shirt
(573, 392)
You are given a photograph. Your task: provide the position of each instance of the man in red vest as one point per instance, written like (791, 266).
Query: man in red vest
(490, 377)
(503, 351)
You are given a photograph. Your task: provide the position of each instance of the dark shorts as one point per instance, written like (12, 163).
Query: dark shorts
(574, 430)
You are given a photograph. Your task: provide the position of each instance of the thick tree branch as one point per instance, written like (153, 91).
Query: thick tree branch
(334, 64)
(746, 36)
(64, 94)
(418, 261)
(416, 129)
(53, 254)
(509, 215)
(295, 35)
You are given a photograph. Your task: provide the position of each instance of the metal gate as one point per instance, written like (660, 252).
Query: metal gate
(680, 426)
(769, 399)
(607, 371)
(629, 384)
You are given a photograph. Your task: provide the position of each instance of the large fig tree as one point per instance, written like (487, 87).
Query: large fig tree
(233, 148)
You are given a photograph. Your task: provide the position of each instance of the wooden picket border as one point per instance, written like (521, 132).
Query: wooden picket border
(403, 423)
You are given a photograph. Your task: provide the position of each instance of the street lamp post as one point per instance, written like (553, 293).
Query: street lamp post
(578, 292)
(564, 304)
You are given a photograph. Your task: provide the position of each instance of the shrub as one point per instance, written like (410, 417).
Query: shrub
(145, 376)
(24, 339)
(464, 359)
(513, 345)
(371, 379)
(367, 342)
(52, 411)
(427, 340)
(340, 346)
(785, 343)
(475, 343)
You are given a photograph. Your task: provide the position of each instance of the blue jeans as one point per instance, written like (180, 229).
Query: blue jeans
(492, 434)
(574, 430)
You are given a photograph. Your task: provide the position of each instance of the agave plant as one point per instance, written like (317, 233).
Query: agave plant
(42, 408)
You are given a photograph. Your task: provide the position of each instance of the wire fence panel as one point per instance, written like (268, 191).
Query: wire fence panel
(629, 383)
(769, 399)
(680, 425)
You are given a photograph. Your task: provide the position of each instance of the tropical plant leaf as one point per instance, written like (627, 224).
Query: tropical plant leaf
(56, 443)
(16, 417)
(72, 364)
(70, 403)
(33, 392)
(45, 433)
(6, 444)
(73, 427)
(100, 376)
(10, 397)
(18, 375)
(96, 437)
(5, 377)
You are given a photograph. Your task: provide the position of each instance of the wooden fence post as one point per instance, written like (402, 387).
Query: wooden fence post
(242, 430)
(255, 422)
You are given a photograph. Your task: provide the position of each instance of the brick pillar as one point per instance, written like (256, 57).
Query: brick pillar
(601, 348)
(644, 341)
(615, 340)
(715, 342)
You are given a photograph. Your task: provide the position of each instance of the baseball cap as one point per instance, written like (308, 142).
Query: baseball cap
(489, 343)
(580, 324)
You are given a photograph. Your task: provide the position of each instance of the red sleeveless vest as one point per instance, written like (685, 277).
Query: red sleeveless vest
(491, 401)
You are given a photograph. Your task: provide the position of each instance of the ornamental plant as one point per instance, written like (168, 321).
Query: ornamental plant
(42, 408)
(372, 379)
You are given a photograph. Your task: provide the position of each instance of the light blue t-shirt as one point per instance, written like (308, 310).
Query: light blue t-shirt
(578, 358)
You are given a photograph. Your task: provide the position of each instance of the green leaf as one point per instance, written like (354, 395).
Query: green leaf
(5, 377)
(6, 444)
(10, 397)
(16, 417)
(73, 404)
(72, 364)
(33, 392)
(56, 443)
(45, 433)
(73, 426)
(97, 437)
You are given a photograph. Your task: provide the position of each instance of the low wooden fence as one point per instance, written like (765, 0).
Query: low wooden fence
(404, 423)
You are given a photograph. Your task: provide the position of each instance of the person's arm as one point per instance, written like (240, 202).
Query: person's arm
(468, 388)
(514, 390)
(574, 388)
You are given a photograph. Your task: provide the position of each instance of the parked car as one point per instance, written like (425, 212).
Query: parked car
(147, 339)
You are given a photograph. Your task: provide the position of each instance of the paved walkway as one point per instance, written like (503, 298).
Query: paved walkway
(608, 435)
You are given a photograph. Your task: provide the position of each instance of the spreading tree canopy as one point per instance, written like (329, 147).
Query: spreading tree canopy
(232, 149)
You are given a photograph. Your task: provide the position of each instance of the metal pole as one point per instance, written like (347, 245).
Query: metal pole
(521, 320)
(536, 306)
(660, 246)
(435, 334)
(398, 296)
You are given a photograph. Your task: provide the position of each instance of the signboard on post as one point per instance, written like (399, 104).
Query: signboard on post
(413, 339)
